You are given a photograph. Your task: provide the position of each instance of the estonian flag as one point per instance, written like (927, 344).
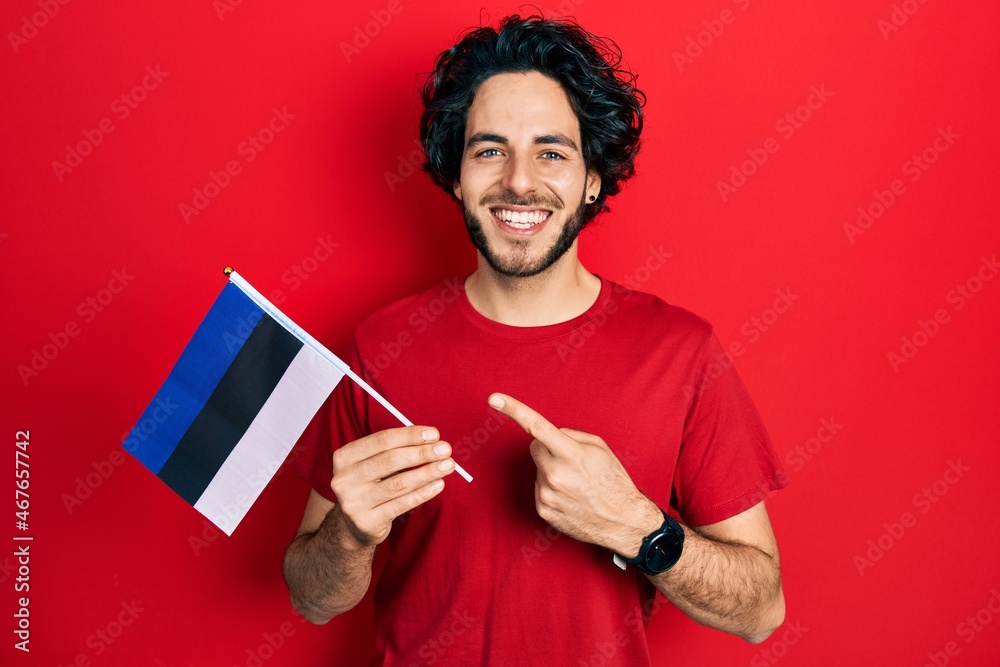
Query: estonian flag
(241, 394)
(243, 391)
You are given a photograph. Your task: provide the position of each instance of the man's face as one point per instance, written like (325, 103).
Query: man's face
(523, 182)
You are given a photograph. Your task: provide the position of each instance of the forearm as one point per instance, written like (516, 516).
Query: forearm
(327, 571)
(719, 581)
(729, 586)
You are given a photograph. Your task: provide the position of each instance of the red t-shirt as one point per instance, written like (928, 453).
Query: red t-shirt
(475, 577)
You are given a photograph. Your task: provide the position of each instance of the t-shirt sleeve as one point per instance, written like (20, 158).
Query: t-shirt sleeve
(342, 419)
(726, 463)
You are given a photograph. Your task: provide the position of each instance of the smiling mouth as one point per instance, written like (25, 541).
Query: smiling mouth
(520, 219)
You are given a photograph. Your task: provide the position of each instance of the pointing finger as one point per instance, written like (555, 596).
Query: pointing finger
(535, 424)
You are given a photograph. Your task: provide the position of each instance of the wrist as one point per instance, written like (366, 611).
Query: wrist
(640, 522)
(659, 550)
(339, 540)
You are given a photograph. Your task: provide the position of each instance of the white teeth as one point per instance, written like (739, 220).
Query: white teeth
(520, 219)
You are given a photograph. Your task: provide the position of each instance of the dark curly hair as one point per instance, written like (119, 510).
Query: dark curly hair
(603, 95)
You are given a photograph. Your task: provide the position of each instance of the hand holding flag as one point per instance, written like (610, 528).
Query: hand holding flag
(379, 477)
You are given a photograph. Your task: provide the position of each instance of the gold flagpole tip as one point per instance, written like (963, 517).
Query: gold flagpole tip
(227, 270)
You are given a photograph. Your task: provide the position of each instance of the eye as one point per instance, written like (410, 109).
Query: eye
(489, 152)
(552, 155)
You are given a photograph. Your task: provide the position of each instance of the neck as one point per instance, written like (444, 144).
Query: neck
(564, 291)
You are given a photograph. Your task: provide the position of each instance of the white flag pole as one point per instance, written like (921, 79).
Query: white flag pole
(320, 349)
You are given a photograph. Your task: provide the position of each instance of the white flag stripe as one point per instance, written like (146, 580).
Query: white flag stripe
(296, 398)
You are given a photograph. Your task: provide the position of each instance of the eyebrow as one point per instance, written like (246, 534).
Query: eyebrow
(557, 139)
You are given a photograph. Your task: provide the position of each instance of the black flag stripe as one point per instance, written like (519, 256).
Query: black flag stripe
(234, 403)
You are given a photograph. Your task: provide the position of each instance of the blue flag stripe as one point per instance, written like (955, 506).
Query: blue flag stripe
(229, 411)
(194, 377)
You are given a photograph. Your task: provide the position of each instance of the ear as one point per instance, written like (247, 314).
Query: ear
(593, 185)
(456, 188)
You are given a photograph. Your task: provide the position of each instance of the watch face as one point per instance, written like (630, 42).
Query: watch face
(663, 552)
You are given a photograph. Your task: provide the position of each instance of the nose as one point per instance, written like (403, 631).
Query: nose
(519, 175)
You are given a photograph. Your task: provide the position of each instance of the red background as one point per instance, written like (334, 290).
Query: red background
(202, 599)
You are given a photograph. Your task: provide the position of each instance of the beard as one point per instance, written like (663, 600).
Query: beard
(520, 264)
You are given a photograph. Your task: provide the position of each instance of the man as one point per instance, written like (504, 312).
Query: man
(531, 128)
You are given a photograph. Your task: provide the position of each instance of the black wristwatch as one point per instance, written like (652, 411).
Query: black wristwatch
(661, 549)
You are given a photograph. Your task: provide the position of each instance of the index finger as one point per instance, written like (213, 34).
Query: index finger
(392, 438)
(535, 424)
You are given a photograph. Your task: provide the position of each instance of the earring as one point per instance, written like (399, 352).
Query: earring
(593, 198)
